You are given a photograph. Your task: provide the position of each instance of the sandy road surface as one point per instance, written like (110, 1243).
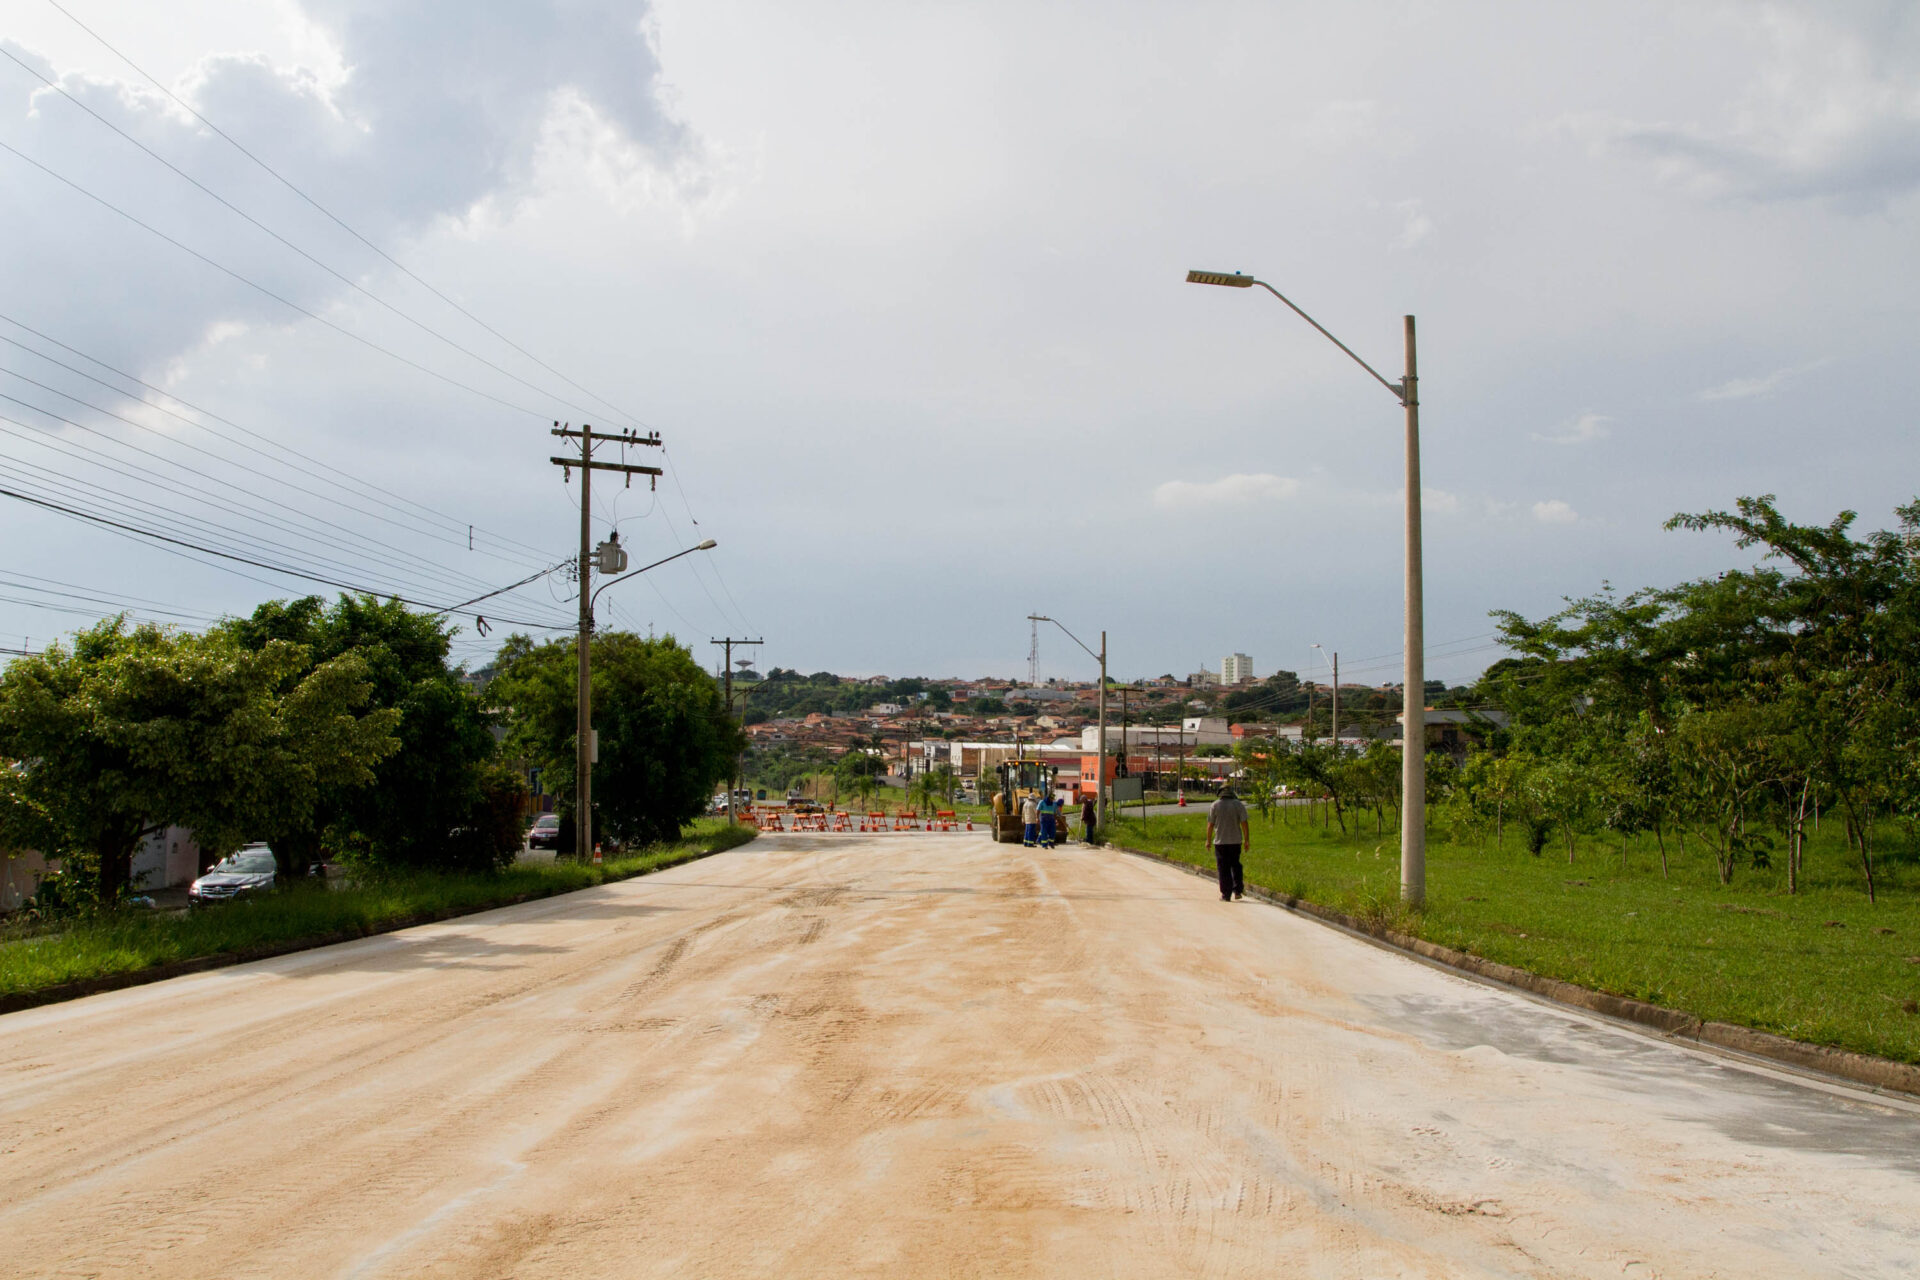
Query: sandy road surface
(923, 1056)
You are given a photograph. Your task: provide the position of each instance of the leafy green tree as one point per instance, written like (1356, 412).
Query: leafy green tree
(666, 740)
(435, 783)
(131, 729)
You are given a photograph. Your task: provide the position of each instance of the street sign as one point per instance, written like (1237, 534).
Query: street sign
(1126, 789)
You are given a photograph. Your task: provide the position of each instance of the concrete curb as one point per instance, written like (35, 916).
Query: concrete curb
(13, 1002)
(1861, 1069)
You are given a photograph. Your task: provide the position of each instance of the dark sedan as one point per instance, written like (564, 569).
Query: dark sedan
(247, 872)
(545, 832)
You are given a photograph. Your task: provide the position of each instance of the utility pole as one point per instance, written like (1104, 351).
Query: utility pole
(616, 561)
(1413, 738)
(734, 783)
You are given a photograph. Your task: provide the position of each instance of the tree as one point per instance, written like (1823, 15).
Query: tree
(133, 729)
(435, 783)
(859, 771)
(666, 740)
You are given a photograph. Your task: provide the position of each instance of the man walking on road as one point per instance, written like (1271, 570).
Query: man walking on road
(1229, 832)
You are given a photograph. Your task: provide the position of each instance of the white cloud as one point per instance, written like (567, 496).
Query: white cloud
(1757, 388)
(1234, 490)
(1584, 429)
(1831, 115)
(1417, 226)
(1554, 511)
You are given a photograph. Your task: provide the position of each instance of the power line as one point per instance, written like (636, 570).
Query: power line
(158, 457)
(335, 218)
(70, 489)
(452, 522)
(260, 288)
(674, 474)
(380, 549)
(236, 209)
(49, 440)
(227, 555)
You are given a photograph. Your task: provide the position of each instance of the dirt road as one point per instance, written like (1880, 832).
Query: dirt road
(925, 1056)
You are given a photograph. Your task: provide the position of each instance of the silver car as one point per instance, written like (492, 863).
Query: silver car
(249, 870)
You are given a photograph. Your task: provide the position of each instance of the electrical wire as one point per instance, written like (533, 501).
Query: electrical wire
(321, 522)
(719, 576)
(452, 522)
(673, 472)
(291, 305)
(355, 285)
(51, 441)
(246, 560)
(330, 215)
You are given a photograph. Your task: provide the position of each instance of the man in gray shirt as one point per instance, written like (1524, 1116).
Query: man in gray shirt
(1229, 832)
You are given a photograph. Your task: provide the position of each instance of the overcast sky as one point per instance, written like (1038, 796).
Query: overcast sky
(901, 287)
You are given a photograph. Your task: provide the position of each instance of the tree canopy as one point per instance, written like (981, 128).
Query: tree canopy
(130, 729)
(666, 740)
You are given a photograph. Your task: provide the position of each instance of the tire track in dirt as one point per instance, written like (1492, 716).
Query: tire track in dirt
(873, 1057)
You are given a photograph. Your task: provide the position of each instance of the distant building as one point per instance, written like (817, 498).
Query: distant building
(1236, 668)
(1203, 679)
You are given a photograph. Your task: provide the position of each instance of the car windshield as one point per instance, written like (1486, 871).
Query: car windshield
(248, 862)
(546, 822)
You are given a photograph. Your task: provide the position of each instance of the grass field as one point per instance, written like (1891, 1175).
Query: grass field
(127, 941)
(1822, 965)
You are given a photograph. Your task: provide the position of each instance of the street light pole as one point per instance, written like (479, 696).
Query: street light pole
(1413, 764)
(1413, 699)
(1100, 776)
(1336, 698)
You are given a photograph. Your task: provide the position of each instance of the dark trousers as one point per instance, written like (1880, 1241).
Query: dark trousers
(1046, 830)
(1226, 859)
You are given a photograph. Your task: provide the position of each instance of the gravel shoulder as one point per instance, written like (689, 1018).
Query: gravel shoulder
(911, 1054)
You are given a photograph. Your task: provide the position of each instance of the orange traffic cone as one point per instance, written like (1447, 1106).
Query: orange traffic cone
(1183, 799)
(596, 853)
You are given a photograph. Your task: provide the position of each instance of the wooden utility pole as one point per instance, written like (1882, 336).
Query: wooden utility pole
(727, 680)
(583, 718)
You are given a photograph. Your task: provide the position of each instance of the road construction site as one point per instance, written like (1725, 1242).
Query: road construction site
(913, 1054)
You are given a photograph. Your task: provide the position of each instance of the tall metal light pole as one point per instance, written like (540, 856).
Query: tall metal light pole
(1413, 764)
(1336, 698)
(1100, 776)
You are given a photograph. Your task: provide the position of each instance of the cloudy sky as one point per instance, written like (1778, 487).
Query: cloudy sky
(901, 287)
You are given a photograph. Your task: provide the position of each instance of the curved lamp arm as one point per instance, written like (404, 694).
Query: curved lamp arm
(1236, 280)
(1041, 617)
(708, 545)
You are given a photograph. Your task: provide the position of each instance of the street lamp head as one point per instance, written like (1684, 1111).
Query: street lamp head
(708, 545)
(1231, 279)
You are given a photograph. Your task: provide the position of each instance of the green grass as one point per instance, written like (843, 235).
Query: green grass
(1822, 965)
(129, 941)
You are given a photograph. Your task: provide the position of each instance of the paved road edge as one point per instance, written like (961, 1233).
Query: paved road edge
(14, 1002)
(1859, 1069)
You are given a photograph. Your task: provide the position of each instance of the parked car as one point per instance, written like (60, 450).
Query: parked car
(719, 804)
(545, 832)
(246, 872)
